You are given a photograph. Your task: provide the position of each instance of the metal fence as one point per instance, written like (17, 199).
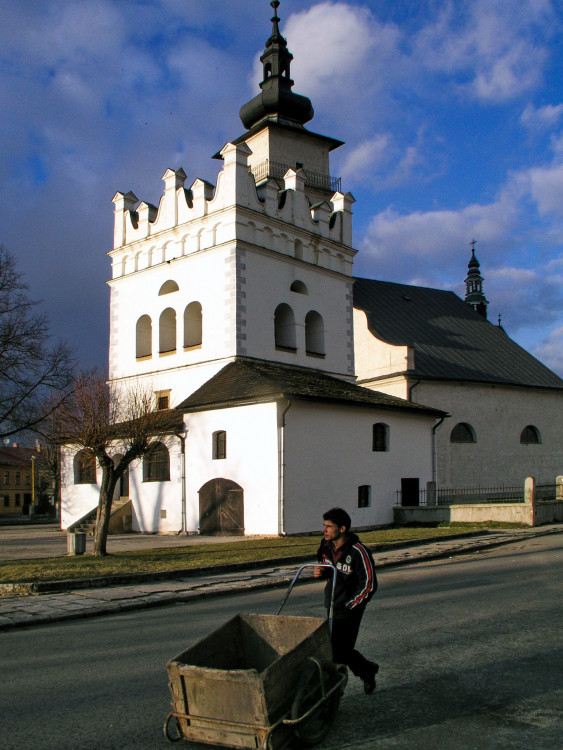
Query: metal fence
(476, 495)
(457, 495)
(274, 169)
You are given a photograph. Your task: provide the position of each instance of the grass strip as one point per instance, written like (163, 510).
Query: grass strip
(205, 555)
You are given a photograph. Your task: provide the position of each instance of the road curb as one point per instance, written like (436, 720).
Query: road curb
(217, 589)
(124, 579)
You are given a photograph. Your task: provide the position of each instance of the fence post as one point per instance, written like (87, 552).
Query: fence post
(530, 490)
(431, 493)
(559, 488)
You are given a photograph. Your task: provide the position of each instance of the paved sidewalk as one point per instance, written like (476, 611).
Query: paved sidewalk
(17, 611)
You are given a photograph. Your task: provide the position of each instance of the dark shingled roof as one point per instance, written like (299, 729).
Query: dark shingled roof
(10, 456)
(450, 340)
(246, 380)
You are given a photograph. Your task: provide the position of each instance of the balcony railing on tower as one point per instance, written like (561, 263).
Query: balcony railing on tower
(276, 170)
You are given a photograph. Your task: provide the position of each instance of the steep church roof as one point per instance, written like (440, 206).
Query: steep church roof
(451, 341)
(248, 380)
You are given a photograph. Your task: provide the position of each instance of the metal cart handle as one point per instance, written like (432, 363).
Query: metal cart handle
(296, 576)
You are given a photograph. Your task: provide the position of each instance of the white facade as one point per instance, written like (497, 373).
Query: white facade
(292, 461)
(496, 413)
(235, 253)
(259, 267)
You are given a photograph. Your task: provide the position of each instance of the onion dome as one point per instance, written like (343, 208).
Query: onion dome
(276, 101)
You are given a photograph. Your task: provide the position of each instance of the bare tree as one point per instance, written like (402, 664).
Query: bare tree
(116, 426)
(34, 378)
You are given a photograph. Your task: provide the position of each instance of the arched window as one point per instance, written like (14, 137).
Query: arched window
(314, 333)
(298, 287)
(219, 444)
(380, 437)
(84, 467)
(530, 435)
(156, 464)
(167, 331)
(168, 287)
(284, 327)
(192, 325)
(463, 433)
(144, 337)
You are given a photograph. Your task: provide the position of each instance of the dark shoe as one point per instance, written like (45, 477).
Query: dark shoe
(369, 682)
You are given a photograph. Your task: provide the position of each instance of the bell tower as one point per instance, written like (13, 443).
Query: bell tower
(259, 265)
(474, 296)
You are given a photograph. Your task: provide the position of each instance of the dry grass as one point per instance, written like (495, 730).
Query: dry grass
(205, 555)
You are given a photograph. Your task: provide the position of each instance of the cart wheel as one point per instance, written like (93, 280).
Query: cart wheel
(312, 730)
(177, 736)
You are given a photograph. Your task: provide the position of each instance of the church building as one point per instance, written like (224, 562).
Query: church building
(296, 386)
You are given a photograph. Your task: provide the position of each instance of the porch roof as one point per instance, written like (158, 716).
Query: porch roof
(246, 381)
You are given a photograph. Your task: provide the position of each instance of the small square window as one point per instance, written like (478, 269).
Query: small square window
(162, 400)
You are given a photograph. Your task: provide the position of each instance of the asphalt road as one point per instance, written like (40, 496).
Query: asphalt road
(470, 650)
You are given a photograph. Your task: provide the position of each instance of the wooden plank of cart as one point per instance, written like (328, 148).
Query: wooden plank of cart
(259, 681)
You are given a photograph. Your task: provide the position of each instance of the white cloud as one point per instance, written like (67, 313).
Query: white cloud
(405, 243)
(541, 118)
(493, 46)
(366, 157)
(546, 189)
(550, 350)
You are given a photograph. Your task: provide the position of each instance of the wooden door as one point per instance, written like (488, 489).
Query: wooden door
(221, 508)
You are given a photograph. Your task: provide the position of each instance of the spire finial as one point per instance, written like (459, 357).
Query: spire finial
(276, 36)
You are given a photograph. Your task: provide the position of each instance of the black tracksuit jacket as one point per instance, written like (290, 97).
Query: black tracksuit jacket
(356, 581)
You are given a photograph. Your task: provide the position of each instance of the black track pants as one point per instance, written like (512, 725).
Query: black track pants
(344, 635)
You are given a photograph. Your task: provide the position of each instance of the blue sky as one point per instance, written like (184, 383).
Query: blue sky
(452, 114)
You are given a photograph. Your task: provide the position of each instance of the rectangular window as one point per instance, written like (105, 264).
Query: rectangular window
(17, 503)
(6, 501)
(220, 444)
(364, 496)
(6, 477)
(162, 400)
(28, 480)
(18, 477)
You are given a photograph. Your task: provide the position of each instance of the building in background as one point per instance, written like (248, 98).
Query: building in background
(297, 386)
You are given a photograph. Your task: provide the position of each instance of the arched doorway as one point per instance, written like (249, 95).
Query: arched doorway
(221, 508)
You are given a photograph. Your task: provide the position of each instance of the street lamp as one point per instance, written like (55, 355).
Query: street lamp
(32, 485)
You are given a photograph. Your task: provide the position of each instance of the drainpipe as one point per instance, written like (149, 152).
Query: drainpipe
(434, 452)
(182, 438)
(281, 472)
(411, 389)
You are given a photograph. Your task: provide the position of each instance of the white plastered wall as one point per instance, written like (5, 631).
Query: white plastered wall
(267, 284)
(329, 454)
(251, 462)
(498, 414)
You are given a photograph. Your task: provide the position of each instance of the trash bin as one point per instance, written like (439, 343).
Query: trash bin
(76, 543)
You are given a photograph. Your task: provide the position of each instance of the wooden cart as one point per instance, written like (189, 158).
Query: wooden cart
(257, 682)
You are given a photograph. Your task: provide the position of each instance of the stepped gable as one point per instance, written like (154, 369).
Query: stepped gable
(247, 380)
(451, 341)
